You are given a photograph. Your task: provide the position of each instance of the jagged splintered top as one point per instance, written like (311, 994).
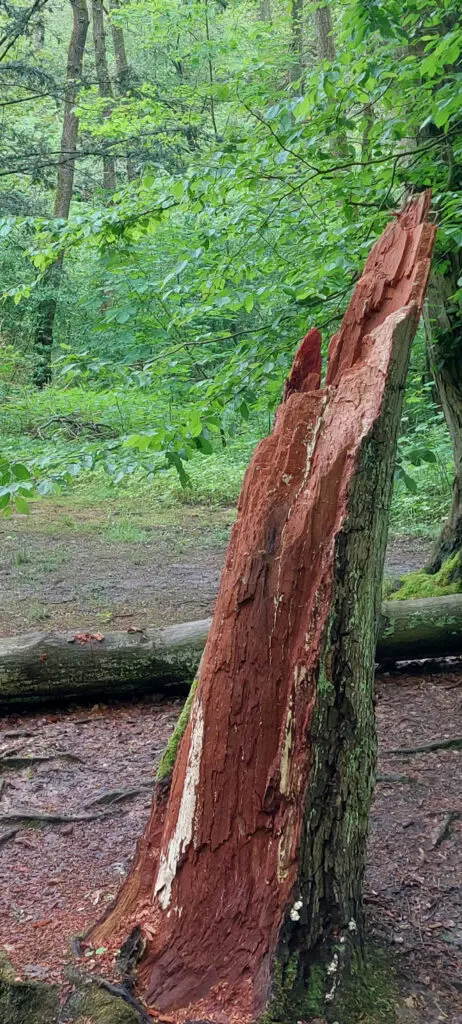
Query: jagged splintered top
(394, 277)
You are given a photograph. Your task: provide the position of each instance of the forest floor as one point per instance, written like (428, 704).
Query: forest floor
(67, 566)
(57, 876)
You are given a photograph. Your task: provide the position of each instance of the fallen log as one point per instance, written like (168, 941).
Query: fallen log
(429, 627)
(40, 667)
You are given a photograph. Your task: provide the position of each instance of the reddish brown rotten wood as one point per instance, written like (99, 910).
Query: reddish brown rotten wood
(257, 850)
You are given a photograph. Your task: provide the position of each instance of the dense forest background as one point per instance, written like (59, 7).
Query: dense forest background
(186, 187)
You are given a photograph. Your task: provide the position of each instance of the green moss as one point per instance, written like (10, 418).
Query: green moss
(100, 1007)
(28, 1003)
(283, 1008)
(369, 992)
(420, 584)
(38, 1003)
(167, 763)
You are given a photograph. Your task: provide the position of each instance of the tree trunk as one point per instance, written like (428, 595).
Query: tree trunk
(264, 11)
(325, 46)
(47, 307)
(123, 74)
(251, 868)
(297, 70)
(442, 318)
(325, 42)
(104, 84)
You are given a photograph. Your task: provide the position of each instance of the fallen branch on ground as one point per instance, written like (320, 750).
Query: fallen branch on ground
(395, 778)
(114, 796)
(10, 834)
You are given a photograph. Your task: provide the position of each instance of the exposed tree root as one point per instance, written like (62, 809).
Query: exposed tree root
(10, 834)
(81, 979)
(443, 831)
(115, 796)
(50, 818)
(10, 760)
(455, 743)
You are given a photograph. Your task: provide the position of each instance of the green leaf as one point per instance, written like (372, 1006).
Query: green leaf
(22, 505)
(178, 190)
(20, 471)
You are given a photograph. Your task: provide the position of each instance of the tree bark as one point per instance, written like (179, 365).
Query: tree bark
(252, 864)
(325, 42)
(45, 667)
(104, 85)
(43, 341)
(264, 11)
(298, 61)
(442, 319)
(123, 73)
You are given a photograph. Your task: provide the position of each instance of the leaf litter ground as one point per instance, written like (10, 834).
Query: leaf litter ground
(57, 876)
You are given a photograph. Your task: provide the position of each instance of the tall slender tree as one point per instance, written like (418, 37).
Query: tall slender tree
(123, 75)
(104, 84)
(65, 184)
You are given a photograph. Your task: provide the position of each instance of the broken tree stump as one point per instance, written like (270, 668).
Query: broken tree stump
(249, 876)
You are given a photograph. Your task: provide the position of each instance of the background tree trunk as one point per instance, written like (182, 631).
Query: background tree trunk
(443, 322)
(297, 43)
(123, 74)
(264, 11)
(43, 341)
(104, 84)
(325, 42)
(251, 867)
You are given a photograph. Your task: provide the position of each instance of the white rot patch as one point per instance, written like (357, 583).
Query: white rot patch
(184, 828)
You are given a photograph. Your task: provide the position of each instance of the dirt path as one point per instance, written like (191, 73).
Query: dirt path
(56, 878)
(66, 567)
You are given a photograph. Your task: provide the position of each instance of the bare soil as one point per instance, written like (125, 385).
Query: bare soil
(58, 877)
(65, 568)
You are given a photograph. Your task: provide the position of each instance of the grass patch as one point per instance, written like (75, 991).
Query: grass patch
(124, 532)
(37, 612)
(421, 584)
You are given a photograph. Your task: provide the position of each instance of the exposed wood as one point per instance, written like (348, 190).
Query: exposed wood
(252, 863)
(44, 666)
